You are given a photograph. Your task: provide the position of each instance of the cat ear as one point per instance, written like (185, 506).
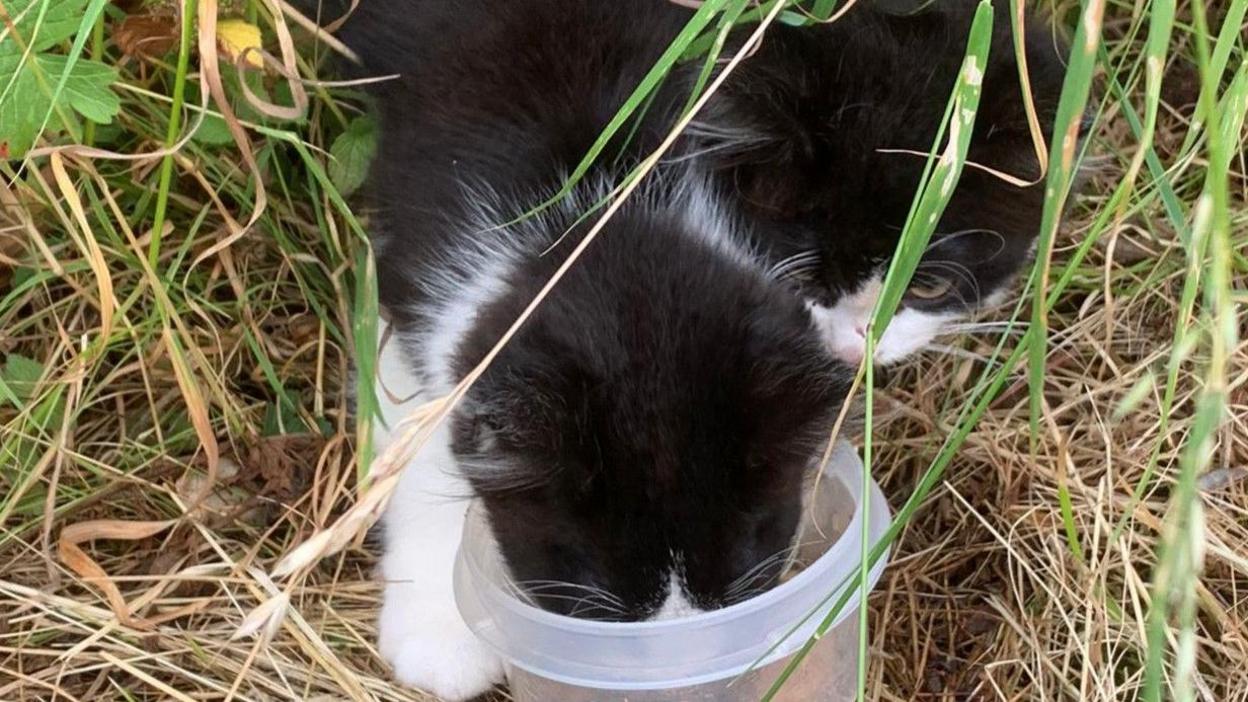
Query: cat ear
(476, 427)
(508, 412)
(758, 147)
(497, 450)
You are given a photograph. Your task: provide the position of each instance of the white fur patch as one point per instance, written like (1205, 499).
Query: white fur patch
(453, 317)
(713, 225)
(677, 604)
(844, 326)
(421, 633)
(459, 281)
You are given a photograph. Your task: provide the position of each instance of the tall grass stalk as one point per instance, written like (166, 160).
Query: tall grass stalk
(1062, 151)
(1180, 560)
(188, 13)
(97, 53)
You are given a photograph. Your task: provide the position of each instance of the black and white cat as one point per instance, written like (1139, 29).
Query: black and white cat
(641, 444)
(810, 135)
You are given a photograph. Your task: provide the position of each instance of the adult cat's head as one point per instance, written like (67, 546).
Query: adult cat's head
(810, 131)
(642, 444)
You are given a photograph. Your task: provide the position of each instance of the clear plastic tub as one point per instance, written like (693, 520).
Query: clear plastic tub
(734, 653)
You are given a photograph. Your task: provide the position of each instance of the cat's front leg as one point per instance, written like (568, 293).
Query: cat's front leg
(421, 633)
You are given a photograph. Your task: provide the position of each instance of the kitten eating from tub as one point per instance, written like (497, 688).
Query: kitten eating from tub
(640, 445)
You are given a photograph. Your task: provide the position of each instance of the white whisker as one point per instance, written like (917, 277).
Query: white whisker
(959, 270)
(537, 586)
(794, 265)
(986, 328)
(944, 238)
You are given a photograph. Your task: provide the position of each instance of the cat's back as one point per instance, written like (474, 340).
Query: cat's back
(519, 63)
(491, 105)
(510, 95)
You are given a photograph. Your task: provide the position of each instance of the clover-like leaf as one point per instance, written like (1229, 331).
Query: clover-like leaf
(352, 153)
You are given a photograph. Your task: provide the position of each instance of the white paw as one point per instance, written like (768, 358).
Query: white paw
(435, 651)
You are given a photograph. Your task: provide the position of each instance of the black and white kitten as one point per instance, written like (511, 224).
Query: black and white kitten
(641, 444)
(808, 131)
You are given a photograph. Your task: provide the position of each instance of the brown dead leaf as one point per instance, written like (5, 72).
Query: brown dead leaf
(285, 463)
(197, 408)
(77, 560)
(146, 36)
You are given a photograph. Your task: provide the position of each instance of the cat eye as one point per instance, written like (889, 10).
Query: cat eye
(932, 291)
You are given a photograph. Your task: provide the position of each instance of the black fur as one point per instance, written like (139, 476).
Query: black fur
(510, 94)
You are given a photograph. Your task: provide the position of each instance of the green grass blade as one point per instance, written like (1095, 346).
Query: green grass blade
(943, 172)
(365, 333)
(1180, 556)
(1160, 29)
(864, 573)
(823, 9)
(726, 22)
(1217, 63)
(1070, 111)
(174, 128)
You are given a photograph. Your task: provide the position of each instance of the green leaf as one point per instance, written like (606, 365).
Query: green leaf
(823, 9)
(108, 134)
(281, 419)
(19, 115)
(40, 24)
(87, 89)
(19, 377)
(352, 152)
(22, 275)
(38, 86)
(213, 131)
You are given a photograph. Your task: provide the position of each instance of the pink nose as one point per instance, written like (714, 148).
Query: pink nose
(850, 354)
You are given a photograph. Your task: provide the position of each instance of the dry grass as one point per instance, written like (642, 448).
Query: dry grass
(248, 350)
(986, 599)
